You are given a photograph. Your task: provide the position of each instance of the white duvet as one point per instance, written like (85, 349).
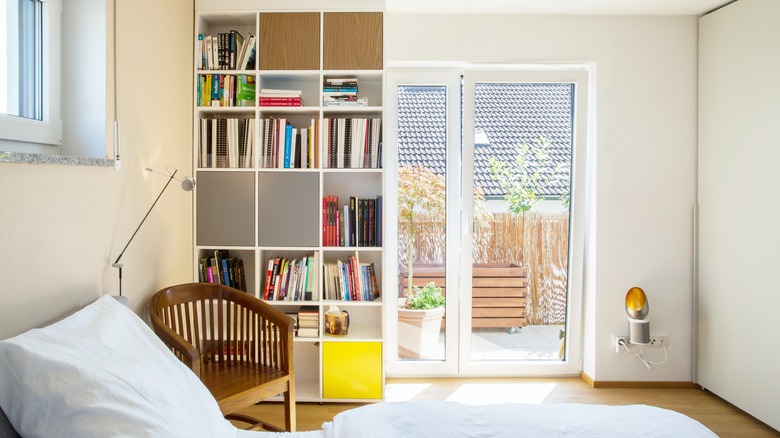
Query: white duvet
(423, 419)
(103, 373)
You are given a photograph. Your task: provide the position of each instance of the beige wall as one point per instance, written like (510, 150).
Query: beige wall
(62, 226)
(644, 150)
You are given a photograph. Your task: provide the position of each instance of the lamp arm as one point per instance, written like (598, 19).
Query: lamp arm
(142, 222)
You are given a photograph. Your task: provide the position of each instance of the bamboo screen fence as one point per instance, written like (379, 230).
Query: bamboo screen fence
(538, 240)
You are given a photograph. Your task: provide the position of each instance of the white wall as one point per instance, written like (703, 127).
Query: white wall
(739, 150)
(62, 226)
(645, 152)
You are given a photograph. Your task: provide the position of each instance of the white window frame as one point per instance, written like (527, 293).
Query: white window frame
(49, 130)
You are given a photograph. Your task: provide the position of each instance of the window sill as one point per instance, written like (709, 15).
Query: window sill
(65, 160)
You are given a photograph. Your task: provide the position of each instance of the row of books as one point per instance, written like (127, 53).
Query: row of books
(357, 223)
(353, 143)
(284, 146)
(226, 90)
(307, 322)
(278, 97)
(225, 51)
(291, 279)
(350, 280)
(341, 92)
(222, 268)
(227, 142)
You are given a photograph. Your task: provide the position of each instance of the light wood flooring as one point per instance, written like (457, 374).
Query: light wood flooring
(720, 416)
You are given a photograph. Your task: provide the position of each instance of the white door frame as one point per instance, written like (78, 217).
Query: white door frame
(459, 221)
(577, 75)
(449, 78)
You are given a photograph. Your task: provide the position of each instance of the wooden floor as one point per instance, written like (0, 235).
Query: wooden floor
(721, 417)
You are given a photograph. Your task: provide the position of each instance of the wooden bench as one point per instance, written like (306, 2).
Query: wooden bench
(498, 292)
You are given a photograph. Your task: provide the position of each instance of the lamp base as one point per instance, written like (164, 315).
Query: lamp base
(638, 331)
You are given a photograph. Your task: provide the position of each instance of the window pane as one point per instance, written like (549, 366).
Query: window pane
(522, 167)
(21, 66)
(422, 165)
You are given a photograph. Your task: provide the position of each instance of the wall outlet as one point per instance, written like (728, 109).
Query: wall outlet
(620, 342)
(659, 340)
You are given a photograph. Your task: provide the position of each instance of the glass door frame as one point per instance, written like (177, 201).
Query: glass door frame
(459, 180)
(451, 79)
(579, 77)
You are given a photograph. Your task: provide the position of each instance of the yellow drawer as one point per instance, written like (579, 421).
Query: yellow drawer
(352, 370)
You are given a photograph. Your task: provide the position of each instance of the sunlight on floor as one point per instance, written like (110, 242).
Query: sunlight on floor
(475, 393)
(490, 393)
(396, 392)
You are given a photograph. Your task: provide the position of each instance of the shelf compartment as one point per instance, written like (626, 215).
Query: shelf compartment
(352, 370)
(225, 209)
(247, 257)
(352, 41)
(290, 206)
(289, 41)
(267, 257)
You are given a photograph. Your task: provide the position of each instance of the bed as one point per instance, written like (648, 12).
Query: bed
(102, 372)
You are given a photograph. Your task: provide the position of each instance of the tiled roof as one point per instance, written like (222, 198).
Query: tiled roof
(508, 114)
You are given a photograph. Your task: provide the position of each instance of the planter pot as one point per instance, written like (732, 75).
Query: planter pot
(418, 332)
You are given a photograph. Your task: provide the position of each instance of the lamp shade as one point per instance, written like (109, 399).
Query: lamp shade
(637, 305)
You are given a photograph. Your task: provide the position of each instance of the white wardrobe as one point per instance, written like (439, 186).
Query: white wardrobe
(739, 207)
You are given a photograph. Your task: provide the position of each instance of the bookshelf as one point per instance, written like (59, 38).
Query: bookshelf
(260, 196)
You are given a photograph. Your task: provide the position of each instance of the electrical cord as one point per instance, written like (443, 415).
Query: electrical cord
(640, 354)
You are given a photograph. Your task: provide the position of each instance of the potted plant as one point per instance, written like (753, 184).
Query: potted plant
(419, 321)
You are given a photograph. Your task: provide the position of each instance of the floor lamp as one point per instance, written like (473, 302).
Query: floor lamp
(187, 184)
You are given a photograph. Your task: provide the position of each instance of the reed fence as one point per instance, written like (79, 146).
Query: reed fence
(538, 240)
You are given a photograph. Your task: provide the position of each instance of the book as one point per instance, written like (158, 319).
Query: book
(287, 145)
(308, 332)
(245, 90)
(278, 92)
(246, 52)
(236, 44)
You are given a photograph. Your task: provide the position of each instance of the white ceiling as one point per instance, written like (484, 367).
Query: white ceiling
(588, 7)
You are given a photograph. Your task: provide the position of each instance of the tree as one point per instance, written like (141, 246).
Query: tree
(419, 189)
(531, 172)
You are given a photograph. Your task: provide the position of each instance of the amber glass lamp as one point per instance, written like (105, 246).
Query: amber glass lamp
(638, 308)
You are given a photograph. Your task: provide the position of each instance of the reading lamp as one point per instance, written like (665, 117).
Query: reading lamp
(637, 308)
(187, 184)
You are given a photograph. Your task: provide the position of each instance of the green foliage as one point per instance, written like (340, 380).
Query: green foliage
(425, 298)
(532, 170)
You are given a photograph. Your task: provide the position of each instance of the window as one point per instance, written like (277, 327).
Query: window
(30, 69)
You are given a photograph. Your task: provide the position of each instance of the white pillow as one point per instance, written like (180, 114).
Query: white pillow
(102, 372)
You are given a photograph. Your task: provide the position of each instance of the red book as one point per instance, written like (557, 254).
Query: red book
(357, 293)
(268, 279)
(325, 221)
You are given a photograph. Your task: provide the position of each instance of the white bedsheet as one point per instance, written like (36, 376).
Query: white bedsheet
(422, 419)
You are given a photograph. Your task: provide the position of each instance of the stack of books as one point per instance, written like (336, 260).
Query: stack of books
(308, 322)
(228, 142)
(341, 92)
(350, 280)
(358, 223)
(352, 143)
(226, 90)
(222, 268)
(291, 279)
(225, 51)
(283, 146)
(278, 97)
